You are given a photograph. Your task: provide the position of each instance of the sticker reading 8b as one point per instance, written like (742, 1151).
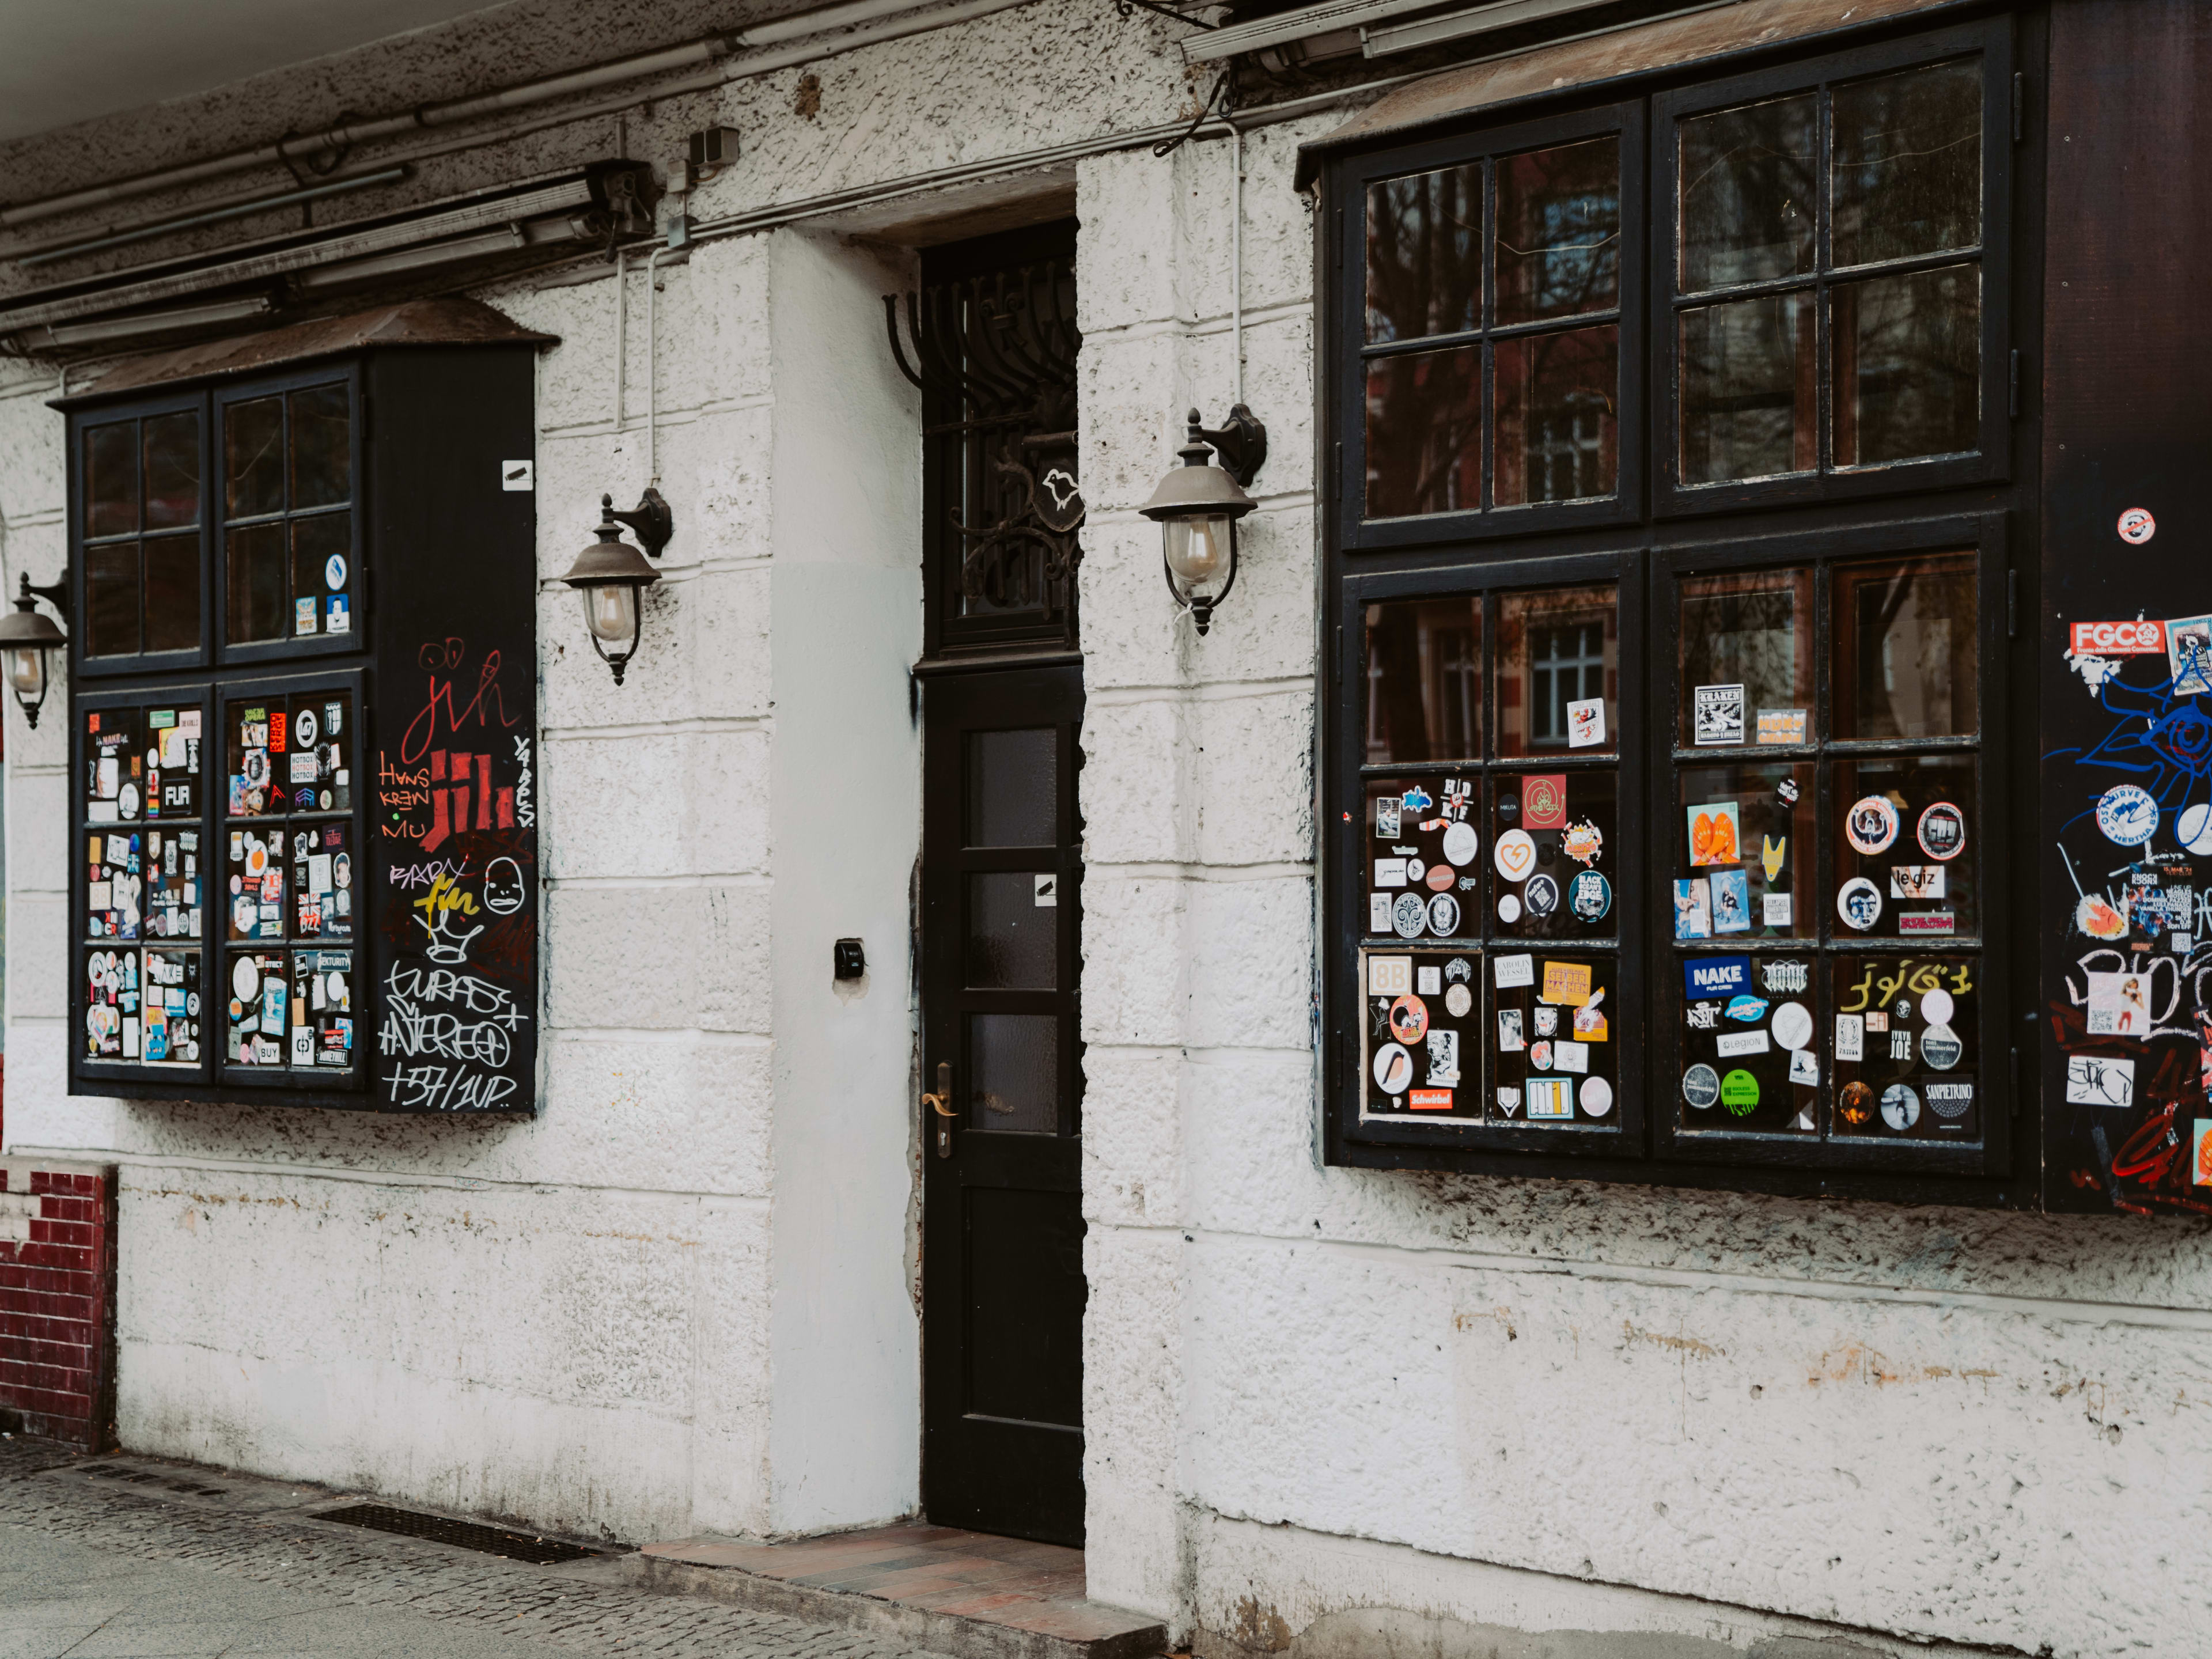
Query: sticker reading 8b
(1421, 1053)
(1553, 1034)
(1421, 858)
(1907, 1048)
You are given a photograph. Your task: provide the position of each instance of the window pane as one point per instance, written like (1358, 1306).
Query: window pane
(173, 471)
(172, 592)
(322, 566)
(322, 903)
(256, 579)
(1746, 657)
(1558, 232)
(1557, 428)
(1910, 850)
(1907, 164)
(1013, 933)
(173, 774)
(1559, 652)
(318, 777)
(260, 995)
(1013, 1068)
(113, 757)
(253, 457)
(1422, 1055)
(1423, 680)
(111, 1013)
(1905, 647)
(255, 875)
(1908, 366)
(111, 479)
(1424, 867)
(322, 458)
(1555, 842)
(1423, 262)
(1745, 854)
(170, 994)
(1423, 419)
(1747, 389)
(1750, 1041)
(1013, 787)
(321, 1034)
(1555, 1040)
(1747, 193)
(251, 731)
(110, 587)
(1907, 1046)
(116, 884)
(173, 884)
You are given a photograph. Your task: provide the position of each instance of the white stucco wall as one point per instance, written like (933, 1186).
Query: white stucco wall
(1325, 1409)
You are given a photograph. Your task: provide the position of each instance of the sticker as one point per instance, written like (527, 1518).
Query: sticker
(1542, 895)
(1389, 976)
(1739, 1093)
(2117, 639)
(1775, 910)
(1571, 1056)
(245, 980)
(1508, 1101)
(1942, 831)
(1855, 1104)
(1409, 915)
(305, 615)
(334, 575)
(1430, 1100)
(1546, 1021)
(1457, 1000)
(1386, 819)
(1551, 1098)
(1786, 791)
(1566, 984)
(517, 475)
(1596, 1097)
(1508, 907)
(1948, 1100)
(1877, 1020)
(1771, 855)
(1792, 1026)
(1859, 903)
(1916, 881)
(2095, 916)
(1544, 801)
(2200, 1153)
(1730, 1045)
(1047, 890)
(1513, 970)
(1936, 1007)
(2117, 1006)
(304, 729)
(1514, 854)
(1731, 901)
(1701, 1086)
(1378, 913)
(1583, 842)
(1509, 1040)
(1393, 1069)
(1443, 915)
(1389, 873)
(1804, 1068)
(1586, 723)
(1418, 800)
(1461, 843)
(1850, 1037)
(1589, 1021)
(1589, 895)
(2189, 652)
(1409, 1018)
(1429, 980)
(1539, 1055)
(2136, 526)
(1439, 877)
(1927, 921)
(1693, 912)
(1787, 976)
(1713, 976)
(1940, 1047)
(2095, 1080)
(2127, 815)
(1715, 715)
(1414, 871)
(1781, 725)
(1900, 1106)
(1871, 824)
(1713, 838)
(1746, 1009)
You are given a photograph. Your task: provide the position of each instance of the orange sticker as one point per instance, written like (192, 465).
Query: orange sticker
(1430, 1100)
(1566, 983)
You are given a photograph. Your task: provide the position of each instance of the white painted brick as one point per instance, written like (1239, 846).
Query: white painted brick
(1251, 969)
(660, 958)
(1133, 1140)
(1134, 970)
(710, 794)
(1254, 792)
(1136, 782)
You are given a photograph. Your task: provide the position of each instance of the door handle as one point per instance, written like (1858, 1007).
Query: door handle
(941, 1104)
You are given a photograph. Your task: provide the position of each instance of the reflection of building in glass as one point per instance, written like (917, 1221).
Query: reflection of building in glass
(1423, 682)
(1553, 649)
(1566, 664)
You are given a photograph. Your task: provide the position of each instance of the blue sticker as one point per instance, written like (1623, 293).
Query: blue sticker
(1716, 976)
(1418, 800)
(1731, 901)
(1748, 1009)
(1589, 895)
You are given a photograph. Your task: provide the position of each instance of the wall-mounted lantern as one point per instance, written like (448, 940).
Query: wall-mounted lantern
(612, 574)
(26, 637)
(1197, 505)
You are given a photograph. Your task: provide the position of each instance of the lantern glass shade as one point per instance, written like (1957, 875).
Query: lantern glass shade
(26, 671)
(1198, 548)
(610, 612)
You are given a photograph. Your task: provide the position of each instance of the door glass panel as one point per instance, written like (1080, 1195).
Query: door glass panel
(1422, 1047)
(1558, 426)
(111, 479)
(1907, 164)
(1554, 1035)
(1423, 680)
(170, 994)
(1424, 872)
(1748, 181)
(1424, 264)
(1013, 788)
(1747, 389)
(1908, 366)
(1013, 935)
(172, 592)
(1746, 659)
(322, 1002)
(1423, 426)
(322, 458)
(110, 587)
(1014, 1072)
(1749, 1042)
(1559, 653)
(253, 457)
(1567, 890)
(256, 577)
(260, 998)
(1558, 232)
(1904, 661)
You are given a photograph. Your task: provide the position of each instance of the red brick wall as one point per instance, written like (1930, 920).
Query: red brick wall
(57, 1300)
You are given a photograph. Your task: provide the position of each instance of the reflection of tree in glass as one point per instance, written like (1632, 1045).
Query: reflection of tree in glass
(1424, 276)
(1743, 630)
(1558, 232)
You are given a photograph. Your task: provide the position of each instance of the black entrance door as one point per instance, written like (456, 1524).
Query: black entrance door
(1002, 1223)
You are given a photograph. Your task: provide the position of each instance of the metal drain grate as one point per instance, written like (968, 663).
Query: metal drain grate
(467, 1534)
(147, 1478)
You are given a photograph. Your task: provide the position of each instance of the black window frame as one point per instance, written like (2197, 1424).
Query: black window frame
(137, 410)
(1355, 530)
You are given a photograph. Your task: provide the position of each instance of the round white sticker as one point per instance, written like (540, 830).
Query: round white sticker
(1457, 1000)
(1859, 903)
(1514, 854)
(1871, 824)
(334, 571)
(2194, 829)
(2127, 815)
(1900, 1106)
(1936, 1008)
(245, 980)
(304, 729)
(1793, 1026)
(1394, 1068)
(1597, 1097)
(1940, 1047)
(2137, 526)
(1508, 907)
(1461, 843)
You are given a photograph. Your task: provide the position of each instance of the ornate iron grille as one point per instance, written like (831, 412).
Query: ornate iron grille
(993, 353)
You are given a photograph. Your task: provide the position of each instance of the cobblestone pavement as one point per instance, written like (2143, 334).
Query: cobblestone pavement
(93, 1567)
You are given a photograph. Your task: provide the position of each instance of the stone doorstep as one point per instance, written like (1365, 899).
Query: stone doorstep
(967, 1594)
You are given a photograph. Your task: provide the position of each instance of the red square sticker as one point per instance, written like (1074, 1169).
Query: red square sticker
(1544, 801)
(275, 730)
(1430, 1100)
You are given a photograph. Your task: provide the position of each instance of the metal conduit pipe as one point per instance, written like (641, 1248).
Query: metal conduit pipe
(712, 49)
